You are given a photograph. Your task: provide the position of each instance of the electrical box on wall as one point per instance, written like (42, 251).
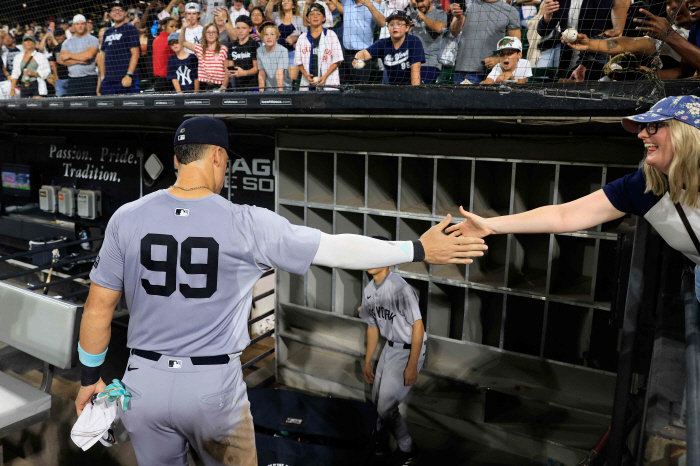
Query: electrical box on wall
(66, 202)
(48, 198)
(89, 204)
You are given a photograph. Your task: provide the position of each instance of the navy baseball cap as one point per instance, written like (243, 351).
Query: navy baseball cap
(244, 19)
(399, 15)
(316, 7)
(684, 108)
(203, 130)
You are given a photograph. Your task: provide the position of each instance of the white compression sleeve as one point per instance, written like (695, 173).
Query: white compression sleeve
(357, 252)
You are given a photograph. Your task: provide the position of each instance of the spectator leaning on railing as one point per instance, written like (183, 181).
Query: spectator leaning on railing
(290, 26)
(428, 24)
(649, 46)
(31, 69)
(689, 50)
(402, 53)
(117, 65)
(273, 59)
(483, 24)
(161, 54)
(182, 67)
(242, 63)
(318, 53)
(211, 55)
(78, 54)
(511, 67)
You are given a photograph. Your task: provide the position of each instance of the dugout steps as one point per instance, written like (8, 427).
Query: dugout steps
(449, 403)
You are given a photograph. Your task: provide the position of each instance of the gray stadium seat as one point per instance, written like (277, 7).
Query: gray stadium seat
(45, 328)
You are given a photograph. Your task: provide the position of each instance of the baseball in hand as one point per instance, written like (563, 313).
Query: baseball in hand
(359, 64)
(569, 35)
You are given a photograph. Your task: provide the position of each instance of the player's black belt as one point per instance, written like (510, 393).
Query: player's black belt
(196, 360)
(405, 345)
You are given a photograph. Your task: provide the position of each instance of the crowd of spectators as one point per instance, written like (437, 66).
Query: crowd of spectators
(307, 45)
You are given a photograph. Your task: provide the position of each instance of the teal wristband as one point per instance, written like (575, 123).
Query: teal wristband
(130, 74)
(91, 360)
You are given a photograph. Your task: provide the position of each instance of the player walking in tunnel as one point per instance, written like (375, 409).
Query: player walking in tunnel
(390, 308)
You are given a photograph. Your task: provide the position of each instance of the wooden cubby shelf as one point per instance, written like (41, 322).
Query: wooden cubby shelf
(538, 295)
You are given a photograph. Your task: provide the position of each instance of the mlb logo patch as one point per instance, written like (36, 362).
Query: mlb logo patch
(175, 363)
(181, 137)
(182, 212)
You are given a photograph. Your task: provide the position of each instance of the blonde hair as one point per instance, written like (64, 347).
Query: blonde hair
(205, 43)
(270, 25)
(685, 166)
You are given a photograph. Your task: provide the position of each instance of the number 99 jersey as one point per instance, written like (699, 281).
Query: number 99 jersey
(187, 268)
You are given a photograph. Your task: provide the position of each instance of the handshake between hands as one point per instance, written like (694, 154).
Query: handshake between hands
(456, 244)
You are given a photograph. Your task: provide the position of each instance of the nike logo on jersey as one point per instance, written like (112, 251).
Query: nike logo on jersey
(369, 297)
(129, 369)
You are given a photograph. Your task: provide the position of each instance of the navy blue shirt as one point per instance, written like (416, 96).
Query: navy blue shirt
(627, 194)
(185, 71)
(694, 35)
(397, 62)
(117, 45)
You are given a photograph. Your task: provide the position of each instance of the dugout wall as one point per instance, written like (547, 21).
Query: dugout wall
(533, 324)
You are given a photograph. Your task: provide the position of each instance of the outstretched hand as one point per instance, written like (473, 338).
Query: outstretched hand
(581, 42)
(450, 249)
(474, 226)
(653, 26)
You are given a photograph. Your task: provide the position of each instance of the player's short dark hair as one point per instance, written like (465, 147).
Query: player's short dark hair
(188, 153)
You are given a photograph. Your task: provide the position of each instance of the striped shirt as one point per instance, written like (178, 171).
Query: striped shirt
(212, 69)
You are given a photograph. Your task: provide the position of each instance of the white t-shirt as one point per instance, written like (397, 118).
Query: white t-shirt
(194, 36)
(522, 71)
(234, 14)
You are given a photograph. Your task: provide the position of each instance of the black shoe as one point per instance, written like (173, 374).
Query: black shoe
(382, 447)
(403, 458)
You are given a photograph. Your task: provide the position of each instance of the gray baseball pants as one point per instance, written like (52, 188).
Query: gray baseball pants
(178, 405)
(389, 391)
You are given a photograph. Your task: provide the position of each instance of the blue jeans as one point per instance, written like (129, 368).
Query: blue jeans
(549, 58)
(697, 282)
(474, 78)
(429, 74)
(61, 87)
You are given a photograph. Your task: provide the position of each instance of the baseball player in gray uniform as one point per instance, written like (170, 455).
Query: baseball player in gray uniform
(390, 308)
(186, 260)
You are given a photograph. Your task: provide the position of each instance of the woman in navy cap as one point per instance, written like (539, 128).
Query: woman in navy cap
(665, 188)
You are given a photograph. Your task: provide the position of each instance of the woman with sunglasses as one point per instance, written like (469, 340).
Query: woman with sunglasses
(211, 56)
(671, 175)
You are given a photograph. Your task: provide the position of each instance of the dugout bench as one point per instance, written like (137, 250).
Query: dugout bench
(45, 328)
